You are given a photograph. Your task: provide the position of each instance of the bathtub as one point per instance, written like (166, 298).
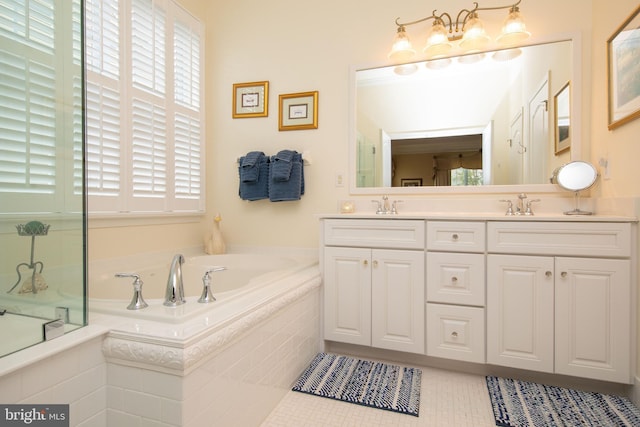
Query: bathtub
(250, 277)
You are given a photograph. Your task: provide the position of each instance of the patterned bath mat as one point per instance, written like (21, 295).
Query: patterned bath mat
(374, 384)
(526, 404)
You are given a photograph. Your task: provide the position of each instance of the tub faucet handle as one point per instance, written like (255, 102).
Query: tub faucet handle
(137, 302)
(207, 295)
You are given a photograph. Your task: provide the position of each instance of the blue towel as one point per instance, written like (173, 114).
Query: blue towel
(258, 189)
(293, 187)
(281, 165)
(250, 166)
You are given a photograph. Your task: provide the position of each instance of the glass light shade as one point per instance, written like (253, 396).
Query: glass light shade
(474, 38)
(438, 64)
(401, 49)
(513, 30)
(471, 59)
(405, 69)
(438, 44)
(507, 54)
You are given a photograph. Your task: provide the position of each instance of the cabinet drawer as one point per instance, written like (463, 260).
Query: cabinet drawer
(375, 233)
(602, 239)
(457, 236)
(455, 278)
(455, 332)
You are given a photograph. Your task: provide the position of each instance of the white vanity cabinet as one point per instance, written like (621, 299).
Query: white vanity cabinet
(374, 283)
(559, 298)
(456, 290)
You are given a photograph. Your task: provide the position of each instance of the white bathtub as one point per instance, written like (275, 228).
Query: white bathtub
(254, 277)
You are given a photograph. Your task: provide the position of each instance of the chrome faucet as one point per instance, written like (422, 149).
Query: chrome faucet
(383, 207)
(520, 208)
(174, 295)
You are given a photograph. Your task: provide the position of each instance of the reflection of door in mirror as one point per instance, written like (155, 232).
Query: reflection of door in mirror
(535, 163)
(516, 150)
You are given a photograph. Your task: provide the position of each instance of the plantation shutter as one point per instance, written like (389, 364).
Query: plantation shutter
(33, 92)
(187, 115)
(104, 159)
(144, 108)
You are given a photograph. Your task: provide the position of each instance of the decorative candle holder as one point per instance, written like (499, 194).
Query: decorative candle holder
(33, 229)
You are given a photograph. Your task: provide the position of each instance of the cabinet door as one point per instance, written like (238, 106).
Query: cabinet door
(398, 300)
(520, 312)
(593, 312)
(347, 295)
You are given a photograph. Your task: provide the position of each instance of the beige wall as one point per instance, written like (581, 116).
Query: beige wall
(300, 47)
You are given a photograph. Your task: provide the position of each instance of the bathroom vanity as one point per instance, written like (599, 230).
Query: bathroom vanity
(550, 294)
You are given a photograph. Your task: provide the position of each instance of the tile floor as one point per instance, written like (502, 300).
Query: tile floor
(447, 399)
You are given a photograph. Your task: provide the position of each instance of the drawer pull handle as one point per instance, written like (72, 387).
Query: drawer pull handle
(454, 334)
(375, 264)
(454, 236)
(454, 279)
(365, 262)
(548, 274)
(563, 274)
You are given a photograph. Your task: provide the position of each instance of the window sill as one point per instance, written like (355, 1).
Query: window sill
(98, 220)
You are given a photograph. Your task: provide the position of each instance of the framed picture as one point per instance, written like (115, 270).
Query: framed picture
(623, 57)
(250, 99)
(562, 122)
(298, 111)
(411, 182)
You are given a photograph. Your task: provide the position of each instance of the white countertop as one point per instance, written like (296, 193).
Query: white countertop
(481, 216)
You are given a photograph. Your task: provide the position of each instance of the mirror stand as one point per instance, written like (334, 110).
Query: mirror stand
(577, 210)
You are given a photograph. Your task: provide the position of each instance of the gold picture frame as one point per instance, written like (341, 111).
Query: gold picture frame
(250, 100)
(623, 60)
(562, 118)
(298, 111)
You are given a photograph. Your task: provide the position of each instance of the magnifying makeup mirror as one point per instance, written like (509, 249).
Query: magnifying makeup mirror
(575, 176)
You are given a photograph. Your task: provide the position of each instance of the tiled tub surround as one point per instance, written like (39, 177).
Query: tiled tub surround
(218, 366)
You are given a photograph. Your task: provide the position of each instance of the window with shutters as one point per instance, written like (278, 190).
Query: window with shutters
(144, 115)
(40, 107)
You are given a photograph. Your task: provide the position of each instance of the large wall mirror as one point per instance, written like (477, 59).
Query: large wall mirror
(468, 124)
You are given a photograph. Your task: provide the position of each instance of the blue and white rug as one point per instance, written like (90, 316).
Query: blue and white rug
(526, 404)
(373, 384)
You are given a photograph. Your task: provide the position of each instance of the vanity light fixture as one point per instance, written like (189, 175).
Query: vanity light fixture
(467, 28)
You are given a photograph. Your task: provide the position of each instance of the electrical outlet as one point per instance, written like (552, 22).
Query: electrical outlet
(605, 166)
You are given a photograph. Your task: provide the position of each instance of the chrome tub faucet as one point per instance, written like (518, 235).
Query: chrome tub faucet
(174, 295)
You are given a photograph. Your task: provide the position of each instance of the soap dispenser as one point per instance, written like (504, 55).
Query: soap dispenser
(214, 244)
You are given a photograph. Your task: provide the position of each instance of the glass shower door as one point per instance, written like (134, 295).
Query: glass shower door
(42, 202)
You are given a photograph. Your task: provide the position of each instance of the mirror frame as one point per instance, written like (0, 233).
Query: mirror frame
(575, 112)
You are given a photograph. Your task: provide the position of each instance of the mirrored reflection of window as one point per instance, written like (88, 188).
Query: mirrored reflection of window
(462, 176)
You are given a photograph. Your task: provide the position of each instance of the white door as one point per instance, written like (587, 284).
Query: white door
(398, 300)
(535, 157)
(347, 295)
(593, 318)
(520, 312)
